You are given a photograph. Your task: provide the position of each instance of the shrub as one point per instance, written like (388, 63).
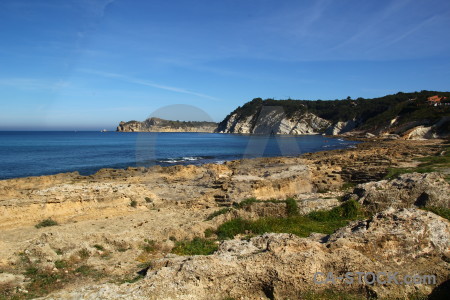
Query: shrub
(149, 246)
(84, 253)
(217, 213)
(197, 246)
(99, 247)
(61, 264)
(133, 203)
(291, 207)
(46, 223)
(245, 203)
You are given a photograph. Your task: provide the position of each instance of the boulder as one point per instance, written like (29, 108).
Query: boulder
(414, 189)
(283, 266)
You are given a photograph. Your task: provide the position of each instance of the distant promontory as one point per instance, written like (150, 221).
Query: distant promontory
(161, 125)
(417, 115)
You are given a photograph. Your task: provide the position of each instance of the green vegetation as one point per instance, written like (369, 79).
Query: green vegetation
(332, 294)
(133, 203)
(42, 281)
(217, 213)
(245, 203)
(197, 246)
(148, 200)
(440, 211)
(149, 246)
(291, 207)
(371, 113)
(428, 164)
(84, 253)
(347, 186)
(321, 221)
(61, 264)
(99, 247)
(46, 223)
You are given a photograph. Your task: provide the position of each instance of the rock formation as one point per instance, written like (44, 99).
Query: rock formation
(282, 266)
(161, 125)
(407, 115)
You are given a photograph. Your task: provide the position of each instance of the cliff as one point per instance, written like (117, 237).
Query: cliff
(161, 125)
(407, 115)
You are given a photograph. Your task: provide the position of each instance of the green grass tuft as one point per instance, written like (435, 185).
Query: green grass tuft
(245, 203)
(197, 246)
(46, 223)
(291, 207)
(217, 213)
(322, 222)
(440, 211)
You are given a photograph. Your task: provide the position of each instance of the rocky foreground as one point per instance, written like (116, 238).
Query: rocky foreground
(116, 223)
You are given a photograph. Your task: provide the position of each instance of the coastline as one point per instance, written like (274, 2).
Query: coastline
(121, 152)
(120, 209)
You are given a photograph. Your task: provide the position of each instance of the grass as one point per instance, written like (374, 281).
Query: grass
(197, 246)
(149, 246)
(440, 211)
(347, 186)
(245, 203)
(321, 221)
(428, 164)
(291, 207)
(46, 223)
(396, 172)
(332, 294)
(217, 213)
(99, 247)
(43, 281)
(84, 253)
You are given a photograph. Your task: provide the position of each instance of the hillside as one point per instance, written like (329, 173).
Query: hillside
(411, 115)
(161, 125)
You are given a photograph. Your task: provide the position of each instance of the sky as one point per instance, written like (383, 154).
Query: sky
(89, 64)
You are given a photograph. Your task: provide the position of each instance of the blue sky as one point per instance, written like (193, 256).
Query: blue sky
(87, 64)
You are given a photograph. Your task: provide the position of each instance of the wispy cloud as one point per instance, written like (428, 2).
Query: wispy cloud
(372, 25)
(146, 83)
(33, 83)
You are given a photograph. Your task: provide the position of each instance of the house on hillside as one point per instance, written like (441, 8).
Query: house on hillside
(435, 100)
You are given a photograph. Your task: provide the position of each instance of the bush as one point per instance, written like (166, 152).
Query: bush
(133, 203)
(291, 207)
(149, 246)
(217, 213)
(197, 246)
(46, 223)
(99, 247)
(245, 203)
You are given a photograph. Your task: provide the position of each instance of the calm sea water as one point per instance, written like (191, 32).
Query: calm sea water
(43, 153)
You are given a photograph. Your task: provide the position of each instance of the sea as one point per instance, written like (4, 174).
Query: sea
(44, 153)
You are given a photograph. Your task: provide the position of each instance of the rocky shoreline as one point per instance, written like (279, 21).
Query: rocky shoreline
(107, 220)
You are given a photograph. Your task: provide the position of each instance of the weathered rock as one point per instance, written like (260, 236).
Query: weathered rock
(415, 189)
(161, 125)
(279, 266)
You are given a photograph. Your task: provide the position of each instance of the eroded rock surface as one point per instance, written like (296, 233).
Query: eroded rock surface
(415, 189)
(278, 266)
